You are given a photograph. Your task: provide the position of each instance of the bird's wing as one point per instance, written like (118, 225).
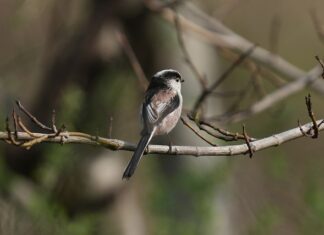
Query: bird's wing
(158, 105)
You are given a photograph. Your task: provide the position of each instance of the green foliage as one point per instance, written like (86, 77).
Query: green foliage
(72, 101)
(53, 220)
(266, 219)
(277, 164)
(314, 195)
(58, 159)
(185, 203)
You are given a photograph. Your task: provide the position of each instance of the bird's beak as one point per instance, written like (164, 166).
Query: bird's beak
(182, 80)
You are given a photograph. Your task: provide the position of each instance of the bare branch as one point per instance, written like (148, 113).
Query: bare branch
(54, 121)
(230, 136)
(200, 77)
(133, 59)
(238, 100)
(34, 119)
(321, 63)
(10, 139)
(25, 129)
(247, 141)
(218, 136)
(213, 31)
(311, 114)
(34, 141)
(196, 132)
(319, 27)
(114, 144)
(273, 78)
(226, 73)
(14, 118)
(305, 133)
(257, 83)
(29, 139)
(110, 127)
(275, 97)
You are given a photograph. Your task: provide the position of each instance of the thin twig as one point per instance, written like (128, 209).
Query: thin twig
(319, 27)
(35, 141)
(222, 78)
(133, 59)
(239, 99)
(311, 115)
(319, 124)
(273, 78)
(274, 97)
(233, 136)
(53, 121)
(257, 83)
(302, 130)
(58, 132)
(14, 118)
(24, 128)
(34, 119)
(10, 139)
(250, 65)
(218, 136)
(200, 77)
(246, 138)
(227, 94)
(224, 134)
(321, 63)
(110, 126)
(196, 132)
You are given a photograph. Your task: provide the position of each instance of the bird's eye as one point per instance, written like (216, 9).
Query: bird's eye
(178, 80)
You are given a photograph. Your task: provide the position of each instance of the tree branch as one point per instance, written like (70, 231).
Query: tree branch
(133, 59)
(214, 32)
(275, 97)
(200, 77)
(115, 144)
(223, 76)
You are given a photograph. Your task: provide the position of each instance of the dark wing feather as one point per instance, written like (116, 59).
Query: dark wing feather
(153, 114)
(170, 107)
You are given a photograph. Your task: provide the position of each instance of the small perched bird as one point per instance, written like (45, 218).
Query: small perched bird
(160, 112)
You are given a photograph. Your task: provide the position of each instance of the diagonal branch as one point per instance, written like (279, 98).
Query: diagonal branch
(313, 131)
(32, 118)
(317, 24)
(247, 141)
(213, 31)
(321, 63)
(133, 59)
(200, 77)
(275, 97)
(223, 76)
(196, 132)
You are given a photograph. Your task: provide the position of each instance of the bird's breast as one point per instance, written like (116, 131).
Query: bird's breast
(169, 122)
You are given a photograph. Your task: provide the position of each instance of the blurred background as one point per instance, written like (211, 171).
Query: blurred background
(65, 55)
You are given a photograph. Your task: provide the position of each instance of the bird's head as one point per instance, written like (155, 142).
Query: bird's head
(168, 78)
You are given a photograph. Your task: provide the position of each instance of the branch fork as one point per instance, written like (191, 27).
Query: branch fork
(313, 131)
(13, 137)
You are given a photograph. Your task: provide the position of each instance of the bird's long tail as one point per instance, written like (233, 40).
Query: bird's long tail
(131, 167)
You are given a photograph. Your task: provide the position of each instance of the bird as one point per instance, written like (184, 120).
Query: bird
(160, 112)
